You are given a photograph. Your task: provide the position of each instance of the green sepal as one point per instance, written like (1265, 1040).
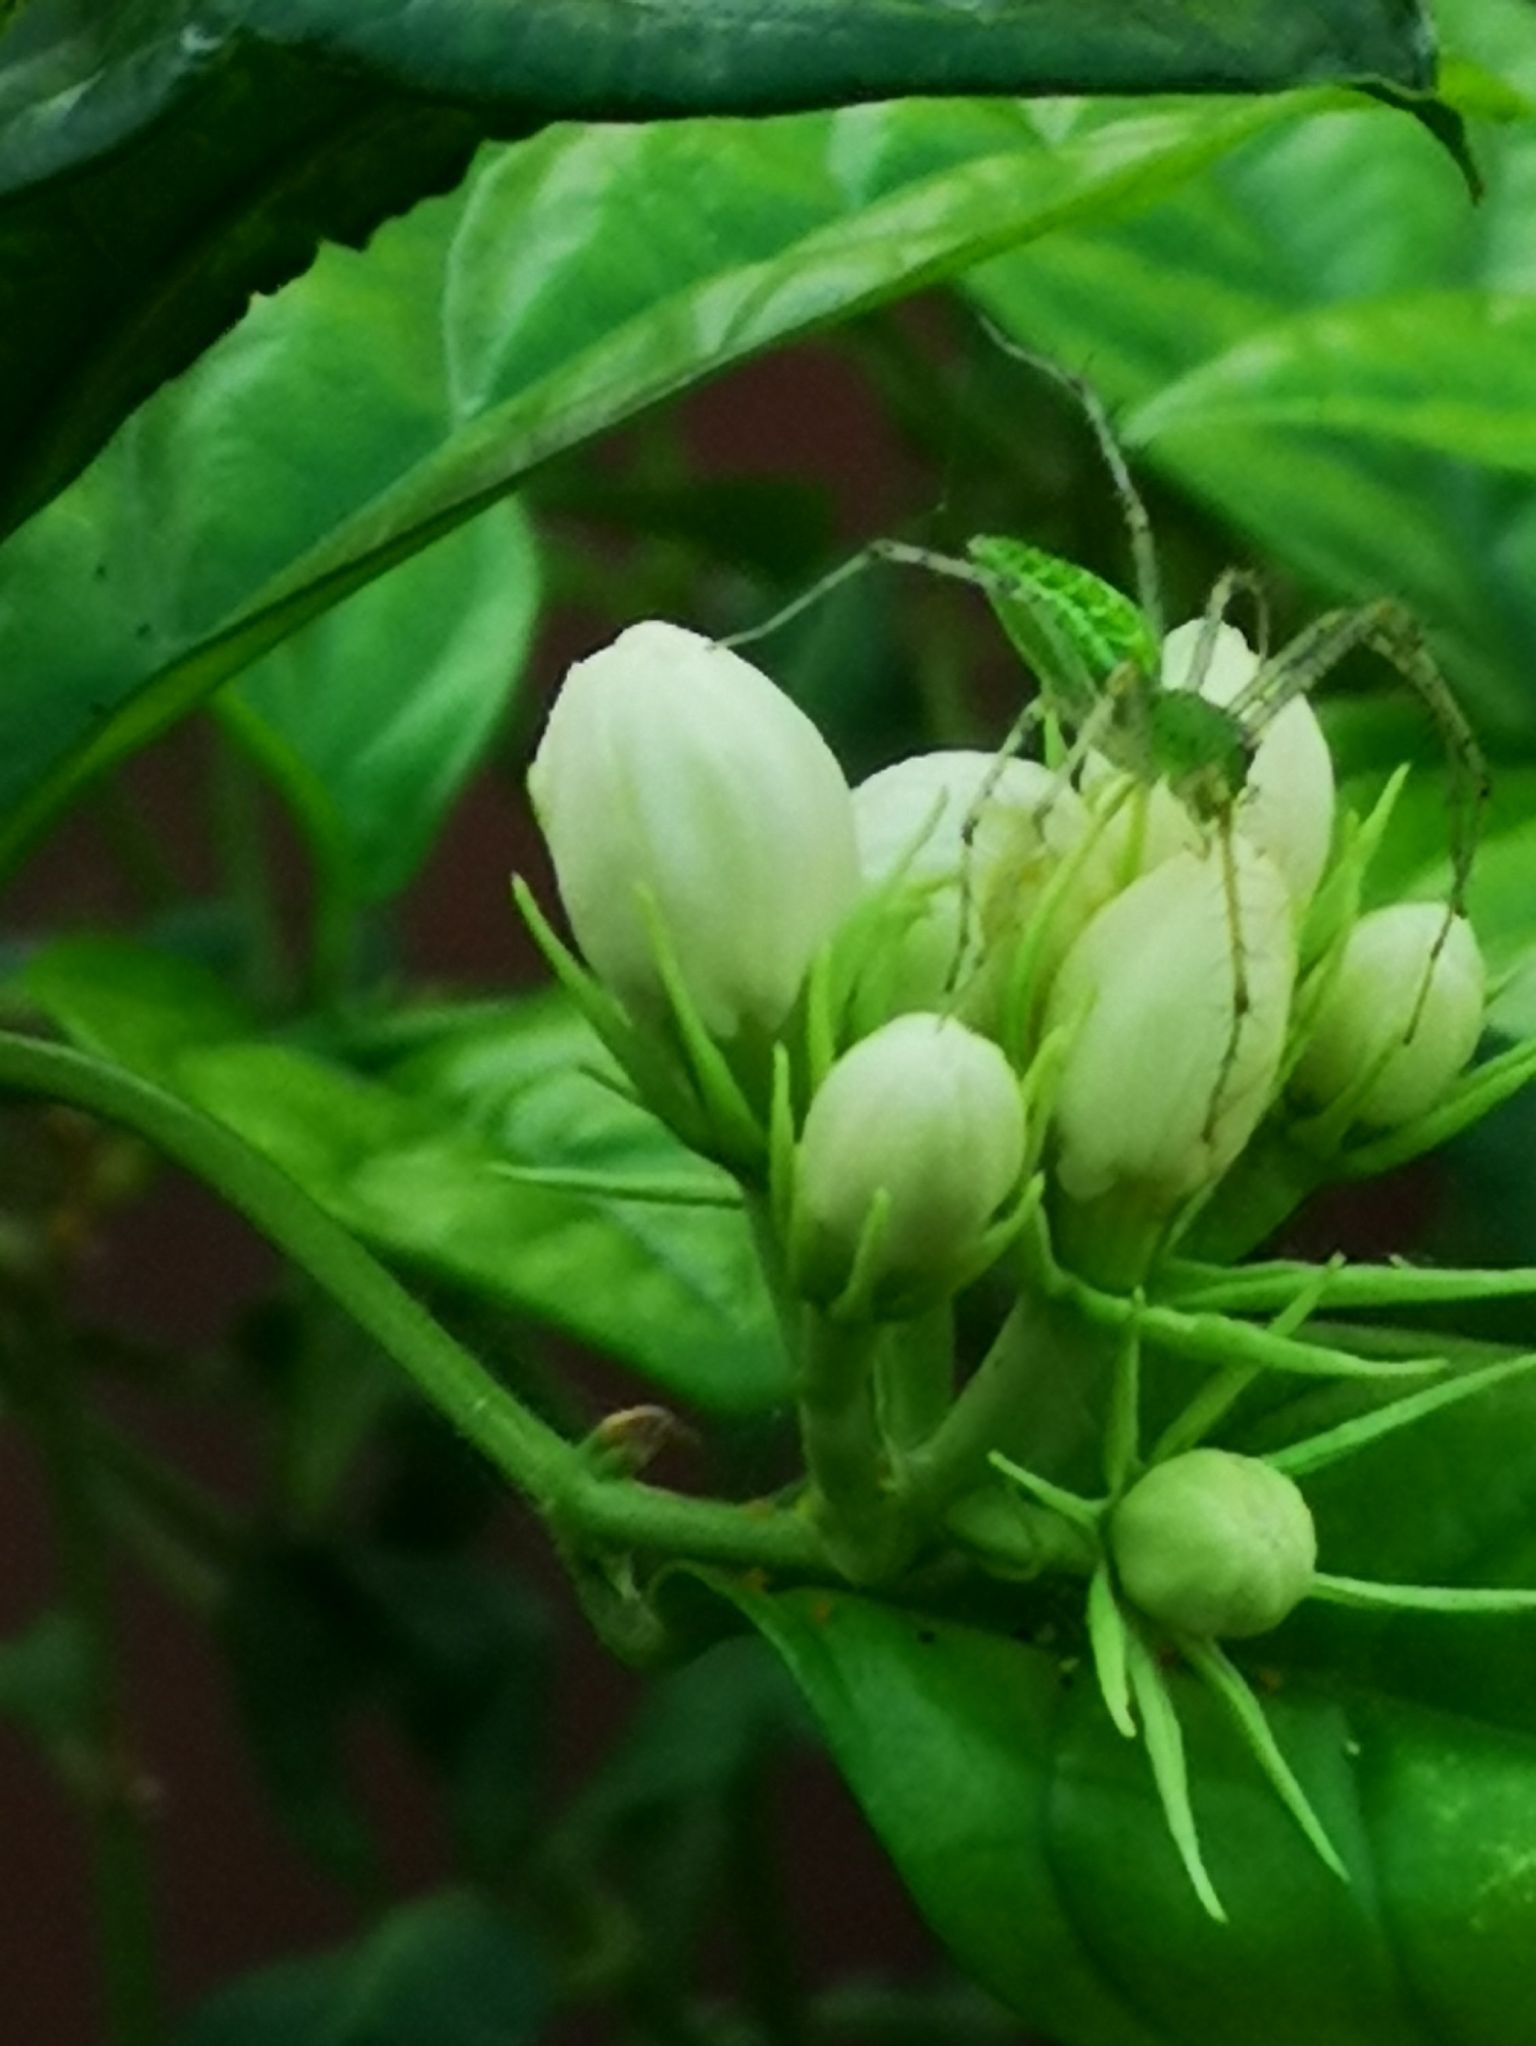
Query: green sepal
(781, 1145)
(1107, 1637)
(1220, 1393)
(1259, 1289)
(1210, 1404)
(1300, 1459)
(656, 1083)
(1209, 1338)
(737, 1132)
(1170, 1770)
(1481, 1091)
(856, 1302)
(654, 1191)
(1363, 1595)
(1026, 968)
(1335, 908)
(1222, 1677)
(1122, 1427)
(1072, 1506)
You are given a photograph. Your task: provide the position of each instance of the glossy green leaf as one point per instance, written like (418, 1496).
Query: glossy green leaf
(1255, 334)
(1448, 372)
(371, 719)
(209, 156)
(674, 1294)
(450, 1969)
(1029, 1835)
(574, 280)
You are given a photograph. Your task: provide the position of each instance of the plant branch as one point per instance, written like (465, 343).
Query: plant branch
(549, 1471)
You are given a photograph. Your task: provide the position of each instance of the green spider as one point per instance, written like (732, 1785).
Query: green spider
(1096, 656)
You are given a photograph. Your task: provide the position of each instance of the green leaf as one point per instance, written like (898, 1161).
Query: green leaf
(1447, 372)
(210, 156)
(1227, 1682)
(371, 719)
(1030, 1837)
(410, 1165)
(1276, 293)
(1164, 1740)
(575, 279)
(449, 1969)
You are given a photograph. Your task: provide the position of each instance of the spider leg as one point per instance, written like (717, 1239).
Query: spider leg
(1229, 585)
(1242, 999)
(787, 613)
(1398, 638)
(1149, 582)
(901, 552)
(1013, 741)
(1389, 629)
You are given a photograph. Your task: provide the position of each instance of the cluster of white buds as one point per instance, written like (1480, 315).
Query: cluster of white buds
(917, 957)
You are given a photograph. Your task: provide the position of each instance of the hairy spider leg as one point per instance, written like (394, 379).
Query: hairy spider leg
(1228, 586)
(1390, 630)
(1242, 1000)
(904, 554)
(823, 586)
(1149, 582)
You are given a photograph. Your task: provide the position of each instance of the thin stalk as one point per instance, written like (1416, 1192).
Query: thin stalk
(997, 1409)
(549, 1471)
(845, 1455)
(916, 1376)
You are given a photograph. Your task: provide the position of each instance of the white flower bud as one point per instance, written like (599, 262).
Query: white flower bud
(1162, 1083)
(1287, 805)
(1365, 1018)
(928, 1115)
(671, 765)
(1214, 1544)
(912, 817)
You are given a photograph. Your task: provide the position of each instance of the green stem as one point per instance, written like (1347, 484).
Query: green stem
(108, 1779)
(915, 1376)
(551, 1472)
(844, 1454)
(1040, 1340)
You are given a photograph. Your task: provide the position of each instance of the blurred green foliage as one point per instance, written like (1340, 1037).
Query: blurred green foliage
(1321, 354)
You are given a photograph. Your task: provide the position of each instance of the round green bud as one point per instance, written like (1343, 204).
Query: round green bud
(923, 1118)
(675, 781)
(1391, 1011)
(1214, 1544)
